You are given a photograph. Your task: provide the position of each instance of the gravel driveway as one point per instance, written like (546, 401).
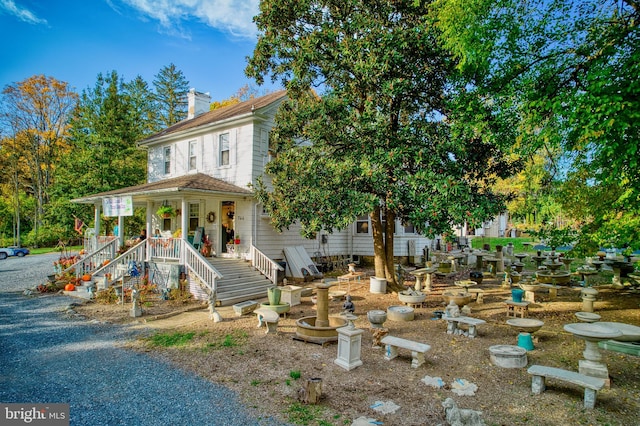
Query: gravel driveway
(47, 357)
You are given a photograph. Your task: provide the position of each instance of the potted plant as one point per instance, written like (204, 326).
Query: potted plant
(166, 211)
(237, 240)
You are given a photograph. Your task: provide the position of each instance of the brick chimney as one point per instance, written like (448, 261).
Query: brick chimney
(198, 103)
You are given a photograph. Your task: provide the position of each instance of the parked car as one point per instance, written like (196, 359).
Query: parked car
(13, 251)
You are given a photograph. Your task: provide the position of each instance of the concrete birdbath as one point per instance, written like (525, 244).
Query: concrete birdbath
(465, 284)
(592, 333)
(526, 327)
(630, 333)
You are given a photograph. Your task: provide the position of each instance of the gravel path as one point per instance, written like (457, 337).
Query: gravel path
(47, 357)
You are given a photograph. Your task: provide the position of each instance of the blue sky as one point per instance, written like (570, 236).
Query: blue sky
(74, 40)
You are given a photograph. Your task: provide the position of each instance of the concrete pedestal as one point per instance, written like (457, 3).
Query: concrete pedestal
(349, 347)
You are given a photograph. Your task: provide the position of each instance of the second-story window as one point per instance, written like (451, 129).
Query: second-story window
(362, 225)
(193, 156)
(224, 149)
(167, 160)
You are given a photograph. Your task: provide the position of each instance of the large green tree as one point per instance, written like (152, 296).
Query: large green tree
(571, 69)
(395, 132)
(105, 128)
(171, 89)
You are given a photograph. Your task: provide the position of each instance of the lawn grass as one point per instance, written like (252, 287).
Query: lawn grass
(478, 242)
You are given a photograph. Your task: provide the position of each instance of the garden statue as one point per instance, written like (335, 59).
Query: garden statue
(348, 305)
(136, 310)
(213, 314)
(452, 310)
(461, 416)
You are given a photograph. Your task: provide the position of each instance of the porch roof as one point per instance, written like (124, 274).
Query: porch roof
(194, 183)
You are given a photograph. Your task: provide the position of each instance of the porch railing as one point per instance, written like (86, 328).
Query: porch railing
(164, 248)
(268, 267)
(199, 266)
(94, 260)
(118, 267)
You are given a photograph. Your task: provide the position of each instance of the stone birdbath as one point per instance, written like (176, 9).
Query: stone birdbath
(538, 259)
(423, 274)
(598, 264)
(521, 256)
(617, 266)
(412, 298)
(586, 272)
(465, 284)
(529, 290)
(479, 254)
(592, 333)
(587, 316)
(567, 262)
(630, 333)
(525, 327)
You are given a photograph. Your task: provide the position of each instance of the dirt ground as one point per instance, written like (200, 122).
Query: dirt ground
(268, 370)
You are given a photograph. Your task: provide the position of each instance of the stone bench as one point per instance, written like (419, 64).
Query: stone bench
(515, 308)
(269, 318)
(453, 323)
(418, 350)
(245, 307)
(590, 384)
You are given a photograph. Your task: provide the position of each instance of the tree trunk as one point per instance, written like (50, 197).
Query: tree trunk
(378, 244)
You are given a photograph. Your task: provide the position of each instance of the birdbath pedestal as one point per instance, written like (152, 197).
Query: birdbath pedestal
(586, 272)
(592, 364)
(566, 261)
(521, 256)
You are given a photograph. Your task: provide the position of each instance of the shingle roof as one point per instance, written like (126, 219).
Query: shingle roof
(221, 114)
(195, 182)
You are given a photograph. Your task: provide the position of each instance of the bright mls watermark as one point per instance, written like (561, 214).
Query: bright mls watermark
(34, 414)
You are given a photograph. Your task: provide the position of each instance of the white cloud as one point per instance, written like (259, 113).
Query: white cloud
(232, 16)
(21, 13)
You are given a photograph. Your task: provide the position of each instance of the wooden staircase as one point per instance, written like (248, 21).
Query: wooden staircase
(240, 281)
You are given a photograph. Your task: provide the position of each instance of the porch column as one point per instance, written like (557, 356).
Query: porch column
(184, 219)
(148, 228)
(96, 218)
(120, 229)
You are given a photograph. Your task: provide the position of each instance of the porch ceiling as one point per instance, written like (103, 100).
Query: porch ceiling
(195, 184)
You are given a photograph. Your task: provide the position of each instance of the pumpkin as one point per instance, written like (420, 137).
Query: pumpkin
(86, 277)
(69, 287)
(105, 263)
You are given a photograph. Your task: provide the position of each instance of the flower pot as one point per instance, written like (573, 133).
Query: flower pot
(377, 285)
(274, 293)
(236, 241)
(516, 295)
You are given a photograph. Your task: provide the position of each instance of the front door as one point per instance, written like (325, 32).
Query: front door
(228, 212)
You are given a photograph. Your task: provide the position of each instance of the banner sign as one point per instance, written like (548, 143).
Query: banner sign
(117, 206)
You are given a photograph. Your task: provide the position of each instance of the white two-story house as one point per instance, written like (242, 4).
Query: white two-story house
(204, 167)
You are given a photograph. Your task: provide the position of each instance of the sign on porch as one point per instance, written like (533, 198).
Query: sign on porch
(117, 206)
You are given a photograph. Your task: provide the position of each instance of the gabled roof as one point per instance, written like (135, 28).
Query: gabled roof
(220, 114)
(198, 182)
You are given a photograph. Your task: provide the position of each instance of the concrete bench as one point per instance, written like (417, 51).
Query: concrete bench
(590, 384)
(269, 318)
(418, 350)
(453, 322)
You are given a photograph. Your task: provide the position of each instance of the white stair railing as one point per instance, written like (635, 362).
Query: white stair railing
(94, 261)
(118, 267)
(199, 266)
(268, 267)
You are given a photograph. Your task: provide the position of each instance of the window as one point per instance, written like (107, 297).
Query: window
(194, 217)
(409, 228)
(167, 160)
(362, 225)
(224, 149)
(193, 146)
